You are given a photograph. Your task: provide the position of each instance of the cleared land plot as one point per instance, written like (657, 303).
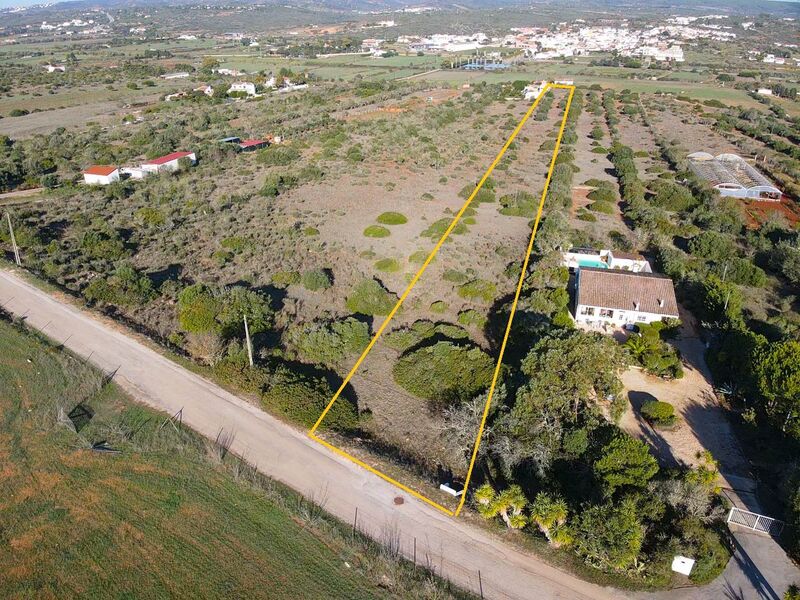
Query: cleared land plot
(473, 270)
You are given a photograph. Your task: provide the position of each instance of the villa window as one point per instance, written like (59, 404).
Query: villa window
(607, 312)
(588, 311)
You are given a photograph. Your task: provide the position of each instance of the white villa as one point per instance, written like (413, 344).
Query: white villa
(578, 258)
(243, 86)
(617, 298)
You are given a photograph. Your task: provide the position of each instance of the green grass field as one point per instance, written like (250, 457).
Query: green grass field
(165, 517)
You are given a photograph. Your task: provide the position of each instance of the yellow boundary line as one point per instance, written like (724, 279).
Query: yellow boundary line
(415, 279)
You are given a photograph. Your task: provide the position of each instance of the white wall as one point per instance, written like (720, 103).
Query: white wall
(90, 179)
(621, 317)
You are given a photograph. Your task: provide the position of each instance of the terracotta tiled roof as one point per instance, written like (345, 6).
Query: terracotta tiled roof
(248, 143)
(624, 290)
(168, 158)
(100, 170)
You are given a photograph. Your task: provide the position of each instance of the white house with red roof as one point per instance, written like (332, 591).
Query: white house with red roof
(168, 163)
(100, 175)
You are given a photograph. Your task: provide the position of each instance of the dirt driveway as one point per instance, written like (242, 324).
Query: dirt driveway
(703, 424)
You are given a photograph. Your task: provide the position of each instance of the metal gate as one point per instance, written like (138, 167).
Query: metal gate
(756, 522)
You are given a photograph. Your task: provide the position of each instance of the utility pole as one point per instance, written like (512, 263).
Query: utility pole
(249, 343)
(13, 241)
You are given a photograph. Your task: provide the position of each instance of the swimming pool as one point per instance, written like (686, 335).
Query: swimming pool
(592, 262)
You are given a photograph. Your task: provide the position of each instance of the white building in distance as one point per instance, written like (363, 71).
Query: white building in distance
(243, 87)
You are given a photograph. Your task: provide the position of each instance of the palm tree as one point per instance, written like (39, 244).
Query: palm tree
(507, 504)
(636, 346)
(550, 513)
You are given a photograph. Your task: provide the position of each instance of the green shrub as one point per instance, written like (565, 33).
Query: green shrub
(478, 289)
(328, 343)
(276, 184)
(387, 265)
(406, 337)
(284, 278)
(310, 231)
(444, 374)
(471, 317)
(376, 231)
(202, 309)
(277, 155)
(302, 399)
(586, 216)
(659, 413)
(370, 298)
(520, 204)
(603, 194)
(316, 280)
(126, 287)
(455, 276)
(439, 306)
(150, 216)
(392, 218)
(437, 228)
(418, 257)
(602, 207)
(235, 243)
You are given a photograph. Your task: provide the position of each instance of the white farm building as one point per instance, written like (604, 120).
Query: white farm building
(733, 176)
(100, 175)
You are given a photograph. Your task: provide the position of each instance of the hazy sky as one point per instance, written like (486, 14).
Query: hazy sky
(7, 3)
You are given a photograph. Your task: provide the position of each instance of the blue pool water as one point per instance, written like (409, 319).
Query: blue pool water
(590, 262)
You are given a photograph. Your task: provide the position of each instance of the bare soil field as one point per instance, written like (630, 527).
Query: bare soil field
(399, 419)
(758, 212)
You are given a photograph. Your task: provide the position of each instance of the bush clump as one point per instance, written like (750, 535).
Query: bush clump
(376, 231)
(407, 337)
(445, 373)
(302, 399)
(388, 265)
(316, 280)
(437, 228)
(392, 218)
(370, 298)
(659, 413)
(478, 289)
(284, 278)
(328, 343)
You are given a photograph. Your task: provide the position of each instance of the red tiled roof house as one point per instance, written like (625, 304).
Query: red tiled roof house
(615, 297)
(170, 162)
(100, 175)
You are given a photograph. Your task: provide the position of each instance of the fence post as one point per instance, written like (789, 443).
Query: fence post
(755, 525)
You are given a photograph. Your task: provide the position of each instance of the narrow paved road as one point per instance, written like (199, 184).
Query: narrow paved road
(450, 546)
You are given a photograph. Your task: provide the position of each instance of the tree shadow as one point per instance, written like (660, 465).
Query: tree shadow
(170, 273)
(723, 445)
(752, 572)
(651, 437)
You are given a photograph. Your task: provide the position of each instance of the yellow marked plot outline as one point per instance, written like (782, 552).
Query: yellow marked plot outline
(415, 279)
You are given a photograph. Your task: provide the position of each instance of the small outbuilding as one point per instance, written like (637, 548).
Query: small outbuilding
(170, 162)
(251, 145)
(100, 175)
